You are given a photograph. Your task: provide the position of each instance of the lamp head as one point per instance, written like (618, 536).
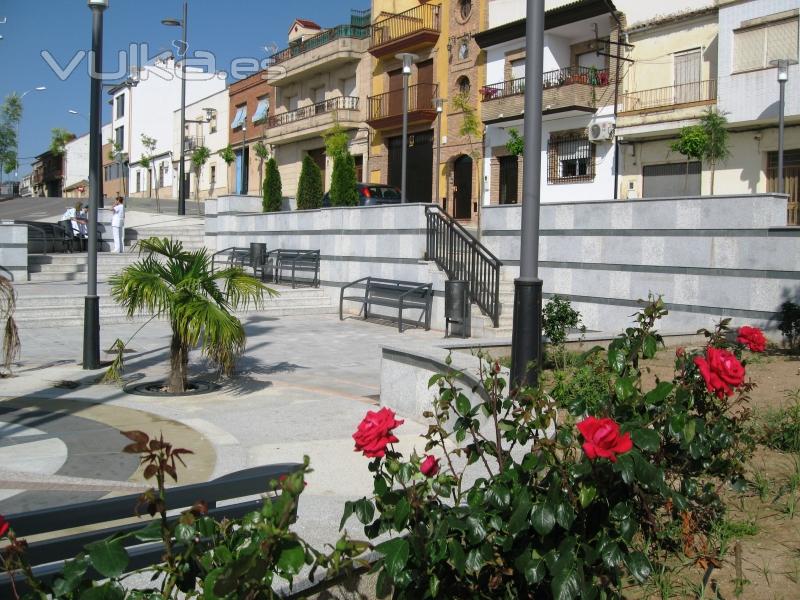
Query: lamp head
(439, 104)
(782, 64)
(41, 88)
(408, 59)
(98, 3)
(171, 22)
(73, 112)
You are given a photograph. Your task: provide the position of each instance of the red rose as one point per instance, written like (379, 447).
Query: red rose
(429, 466)
(721, 371)
(4, 525)
(680, 351)
(603, 439)
(375, 433)
(753, 338)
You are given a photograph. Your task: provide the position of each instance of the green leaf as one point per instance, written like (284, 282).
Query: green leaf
(463, 404)
(474, 562)
(365, 510)
(565, 515)
(649, 347)
(611, 554)
(646, 439)
(71, 576)
(565, 584)
(689, 431)
(616, 359)
(498, 496)
(457, 556)
(384, 585)
(108, 557)
(107, 591)
(209, 582)
(184, 533)
(435, 379)
(401, 514)
(533, 569)
(348, 511)
(522, 510)
(476, 530)
(587, 495)
(542, 518)
(625, 388)
(291, 558)
(433, 585)
(395, 556)
(150, 532)
(658, 394)
(624, 465)
(639, 566)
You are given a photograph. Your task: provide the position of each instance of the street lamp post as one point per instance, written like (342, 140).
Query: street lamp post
(526, 340)
(783, 76)
(439, 104)
(40, 88)
(182, 23)
(91, 318)
(245, 164)
(408, 60)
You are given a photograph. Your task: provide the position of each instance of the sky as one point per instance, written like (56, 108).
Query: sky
(61, 29)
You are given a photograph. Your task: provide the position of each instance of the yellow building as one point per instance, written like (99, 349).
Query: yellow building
(447, 65)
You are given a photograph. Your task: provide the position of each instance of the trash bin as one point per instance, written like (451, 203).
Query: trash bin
(258, 256)
(457, 309)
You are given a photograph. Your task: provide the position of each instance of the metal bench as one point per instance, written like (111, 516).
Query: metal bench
(47, 556)
(392, 293)
(235, 256)
(293, 262)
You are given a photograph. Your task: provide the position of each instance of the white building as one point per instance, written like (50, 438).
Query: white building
(206, 126)
(144, 105)
(76, 164)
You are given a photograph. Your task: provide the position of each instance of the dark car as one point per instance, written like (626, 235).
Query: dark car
(371, 194)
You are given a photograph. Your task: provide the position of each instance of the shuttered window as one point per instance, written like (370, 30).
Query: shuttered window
(755, 47)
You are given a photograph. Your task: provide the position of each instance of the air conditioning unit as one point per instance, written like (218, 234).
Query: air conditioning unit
(601, 132)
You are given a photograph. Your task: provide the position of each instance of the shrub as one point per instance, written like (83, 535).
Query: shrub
(790, 324)
(309, 188)
(558, 318)
(343, 181)
(780, 429)
(273, 189)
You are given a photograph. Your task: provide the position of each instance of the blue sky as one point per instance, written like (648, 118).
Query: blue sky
(228, 28)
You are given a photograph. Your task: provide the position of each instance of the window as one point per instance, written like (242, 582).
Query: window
(755, 47)
(570, 158)
(509, 179)
(464, 9)
(518, 69)
(261, 110)
(687, 76)
(213, 174)
(119, 137)
(162, 169)
(591, 59)
(120, 106)
(138, 181)
(240, 118)
(212, 122)
(349, 87)
(463, 85)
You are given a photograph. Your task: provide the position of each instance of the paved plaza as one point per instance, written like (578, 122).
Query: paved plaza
(304, 385)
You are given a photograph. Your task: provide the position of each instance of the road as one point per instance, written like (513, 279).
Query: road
(46, 209)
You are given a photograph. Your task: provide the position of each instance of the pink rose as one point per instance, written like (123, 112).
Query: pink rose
(429, 466)
(374, 433)
(721, 371)
(603, 439)
(753, 338)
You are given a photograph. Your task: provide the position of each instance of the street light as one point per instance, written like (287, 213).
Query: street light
(408, 59)
(91, 316)
(526, 336)
(439, 104)
(183, 24)
(40, 88)
(77, 114)
(782, 65)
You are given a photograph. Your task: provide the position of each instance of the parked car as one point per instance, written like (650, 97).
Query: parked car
(371, 194)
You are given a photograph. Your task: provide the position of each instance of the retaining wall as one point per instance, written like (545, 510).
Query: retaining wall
(712, 257)
(14, 251)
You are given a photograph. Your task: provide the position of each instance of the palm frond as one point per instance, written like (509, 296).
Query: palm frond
(142, 288)
(241, 289)
(167, 247)
(11, 342)
(117, 367)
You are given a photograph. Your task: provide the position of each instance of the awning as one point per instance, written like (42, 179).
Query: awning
(261, 110)
(240, 118)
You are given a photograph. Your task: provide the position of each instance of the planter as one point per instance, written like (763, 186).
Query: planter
(158, 389)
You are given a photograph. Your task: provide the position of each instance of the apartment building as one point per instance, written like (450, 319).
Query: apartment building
(320, 79)
(143, 105)
(206, 127)
(250, 104)
(581, 49)
(76, 165)
(48, 175)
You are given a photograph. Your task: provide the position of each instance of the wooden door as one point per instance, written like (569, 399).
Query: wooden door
(687, 76)
(395, 93)
(462, 188)
(425, 88)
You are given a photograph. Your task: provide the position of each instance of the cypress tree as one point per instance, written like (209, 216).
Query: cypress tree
(309, 188)
(273, 190)
(343, 181)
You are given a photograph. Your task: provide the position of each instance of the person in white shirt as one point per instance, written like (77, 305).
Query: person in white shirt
(118, 224)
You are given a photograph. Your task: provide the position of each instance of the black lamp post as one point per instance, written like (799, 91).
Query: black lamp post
(439, 104)
(526, 337)
(91, 311)
(782, 65)
(182, 23)
(408, 60)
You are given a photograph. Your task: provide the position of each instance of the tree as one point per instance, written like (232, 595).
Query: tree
(343, 181)
(336, 141)
(516, 143)
(147, 162)
(273, 189)
(717, 147)
(10, 116)
(59, 140)
(309, 188)
(692, 143)
(199, 303)
(199, 158)
(229, 156)
(262, 152)
(115, 153)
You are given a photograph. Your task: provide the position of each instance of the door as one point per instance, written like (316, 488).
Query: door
(509, 179)
(395, 94)
(425, 89)
(671, 180)
(318, 156)
(462, 187)
(687, 76)
(791, 180)
(239, 172)
(419, 177)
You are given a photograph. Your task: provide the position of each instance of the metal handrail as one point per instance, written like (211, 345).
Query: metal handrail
(560, 77)
(461, 256)
(425, 17)
(320, 108)
(390, 104)
(671, 95)
(340, 31)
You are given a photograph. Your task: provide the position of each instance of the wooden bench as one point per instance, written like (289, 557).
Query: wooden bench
(293, 262)
(47, 556)
(392, 293)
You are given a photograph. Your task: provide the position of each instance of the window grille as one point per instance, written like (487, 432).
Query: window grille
(570, 158)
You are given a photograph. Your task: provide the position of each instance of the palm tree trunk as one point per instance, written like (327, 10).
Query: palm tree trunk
(179, 365)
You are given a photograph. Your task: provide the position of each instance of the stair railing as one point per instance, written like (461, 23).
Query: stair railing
(461, 256)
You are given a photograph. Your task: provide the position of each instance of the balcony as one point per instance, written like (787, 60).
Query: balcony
(311, 121)
(192, 143)
(667, 108)
(567, 88)
(406, 31)
(322, 52)
(386, 110)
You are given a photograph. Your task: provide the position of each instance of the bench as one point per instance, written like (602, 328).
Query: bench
(294, 262)
(235, 256)
(48, 237)
(47, 556)
(393, 293)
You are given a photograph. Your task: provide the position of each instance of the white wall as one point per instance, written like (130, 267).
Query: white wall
(76, 160)
(752, 96)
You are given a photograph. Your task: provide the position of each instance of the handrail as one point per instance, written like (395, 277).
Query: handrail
(671, 95)
(320, 108)
(390, 104)
(550, 79)
(358, 32)
(461, 256)
(425, 17)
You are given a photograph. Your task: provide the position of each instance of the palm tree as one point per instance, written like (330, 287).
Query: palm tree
(8, 302)
(182, 286)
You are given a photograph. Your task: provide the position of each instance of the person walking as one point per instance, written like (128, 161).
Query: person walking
(118, 224)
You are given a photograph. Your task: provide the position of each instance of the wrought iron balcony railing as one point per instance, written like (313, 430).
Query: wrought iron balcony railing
(306, 112)
(390, 104)
(358, 32)
(550, 79)
(687, 93)
(420, 23)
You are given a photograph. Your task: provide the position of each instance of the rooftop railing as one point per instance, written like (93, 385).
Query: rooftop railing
(341, 31)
